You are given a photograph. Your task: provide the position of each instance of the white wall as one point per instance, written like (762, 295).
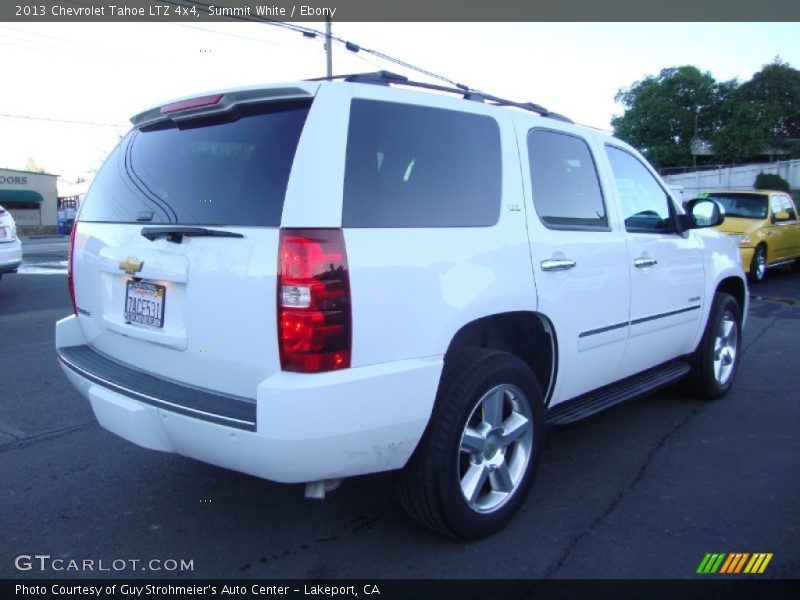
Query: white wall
(736, 178)
(44, 184)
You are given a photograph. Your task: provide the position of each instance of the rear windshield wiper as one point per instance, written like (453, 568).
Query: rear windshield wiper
(175, 234)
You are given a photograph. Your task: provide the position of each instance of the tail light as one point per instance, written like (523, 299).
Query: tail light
(70, 272)
(314, 319)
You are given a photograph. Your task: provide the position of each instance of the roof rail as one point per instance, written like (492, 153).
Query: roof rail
(389, 78)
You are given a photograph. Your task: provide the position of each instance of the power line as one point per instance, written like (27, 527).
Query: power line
(34, 118)
(309, 32)
(262, 41)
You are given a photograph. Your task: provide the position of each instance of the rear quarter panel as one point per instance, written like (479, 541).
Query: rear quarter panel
(414, 288)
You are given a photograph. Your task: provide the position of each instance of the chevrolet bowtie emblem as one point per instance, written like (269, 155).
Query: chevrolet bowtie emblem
(131, 265)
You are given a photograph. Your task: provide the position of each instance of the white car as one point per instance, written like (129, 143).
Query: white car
(321, 279)
(10, 246)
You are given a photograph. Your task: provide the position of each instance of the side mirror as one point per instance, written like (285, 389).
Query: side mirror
(703, 212)
(781, 215)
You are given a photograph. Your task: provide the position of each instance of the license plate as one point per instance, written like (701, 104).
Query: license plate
(144, 303)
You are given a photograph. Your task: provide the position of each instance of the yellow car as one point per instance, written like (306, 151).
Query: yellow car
(764, 224)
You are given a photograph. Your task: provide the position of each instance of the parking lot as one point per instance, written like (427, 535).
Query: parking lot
(643, 491)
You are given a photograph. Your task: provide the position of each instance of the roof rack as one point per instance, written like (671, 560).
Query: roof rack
(389, 78)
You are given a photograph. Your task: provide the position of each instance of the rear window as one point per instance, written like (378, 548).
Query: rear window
(414, 166)
(219, 173)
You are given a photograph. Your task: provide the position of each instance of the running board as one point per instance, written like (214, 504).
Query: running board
(597, 401)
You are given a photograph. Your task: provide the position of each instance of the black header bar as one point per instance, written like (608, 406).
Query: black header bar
(202, 11)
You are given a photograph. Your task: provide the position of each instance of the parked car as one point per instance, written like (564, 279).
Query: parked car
(764, 224)
(10, 246)
(322, 279)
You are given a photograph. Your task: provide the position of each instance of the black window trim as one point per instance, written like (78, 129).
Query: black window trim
(556, 226)
(673, 213)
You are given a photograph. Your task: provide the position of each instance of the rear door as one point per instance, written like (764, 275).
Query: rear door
(783, 233)
(666, 267)
(176, 246)
(793, 227)
(579, 257)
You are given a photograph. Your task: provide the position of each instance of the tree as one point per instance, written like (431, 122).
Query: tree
(770, 181)
(744, 122)
(663, 114)
(775, 91)
(742, 135)
(762, 116)
(32, 166)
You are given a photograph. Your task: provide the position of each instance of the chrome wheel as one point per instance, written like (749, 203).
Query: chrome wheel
(495, 449)
(760, 264)
(726, 344)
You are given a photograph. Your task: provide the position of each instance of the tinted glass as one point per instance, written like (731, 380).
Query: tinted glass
(414, 166)
(230, 173)
(566, 190)
(744, 206)
(645, 204)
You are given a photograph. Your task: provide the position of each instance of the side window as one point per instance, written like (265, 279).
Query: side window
(775, 206)
(417, 166)
(645, 204)
(788, 206)
(565, 187)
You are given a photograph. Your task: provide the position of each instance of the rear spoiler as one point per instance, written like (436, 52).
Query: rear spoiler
(215, 104)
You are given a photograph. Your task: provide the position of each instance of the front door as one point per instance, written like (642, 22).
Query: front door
(666, 268)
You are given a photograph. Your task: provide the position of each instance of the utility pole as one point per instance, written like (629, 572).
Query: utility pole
(328, 47)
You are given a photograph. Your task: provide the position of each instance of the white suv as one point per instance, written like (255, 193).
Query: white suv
(10, 246)
(315, 280)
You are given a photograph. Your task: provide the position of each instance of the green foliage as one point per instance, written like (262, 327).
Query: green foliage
(662, 112)
(744, 122)
(771, 181)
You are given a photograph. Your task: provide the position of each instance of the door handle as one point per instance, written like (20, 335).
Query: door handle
(557, 264)
(643, 262)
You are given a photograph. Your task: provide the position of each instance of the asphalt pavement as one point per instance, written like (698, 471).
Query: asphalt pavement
(643, 491)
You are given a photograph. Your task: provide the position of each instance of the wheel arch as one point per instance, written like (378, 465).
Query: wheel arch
(736, 288)
(528, 335)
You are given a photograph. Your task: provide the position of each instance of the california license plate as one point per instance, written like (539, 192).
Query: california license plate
(144, 303)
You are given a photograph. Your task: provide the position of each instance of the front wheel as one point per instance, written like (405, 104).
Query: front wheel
(474, 466)
(716, 359)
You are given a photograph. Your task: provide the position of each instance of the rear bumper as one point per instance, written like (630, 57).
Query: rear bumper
(307, 427)
(10, 256)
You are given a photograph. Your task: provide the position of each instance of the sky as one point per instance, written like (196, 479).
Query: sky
(100, 74)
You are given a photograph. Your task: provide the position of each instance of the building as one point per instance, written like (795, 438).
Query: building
(31, 198)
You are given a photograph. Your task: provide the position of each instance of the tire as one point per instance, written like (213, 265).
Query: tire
(716, 359)
(475, 463)
(758, 265)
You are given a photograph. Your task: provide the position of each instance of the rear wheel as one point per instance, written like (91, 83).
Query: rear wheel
(758, 265)
(475, 463)
(716, 359)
